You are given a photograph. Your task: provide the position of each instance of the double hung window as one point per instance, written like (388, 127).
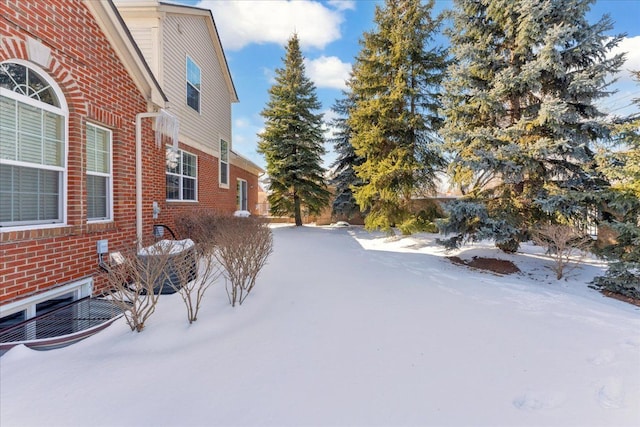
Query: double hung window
(223, 165)
(182, 177)
(99, 182)
(33, 120)
(193, 85)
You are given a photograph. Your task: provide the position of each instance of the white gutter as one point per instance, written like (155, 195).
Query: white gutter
(161, 129)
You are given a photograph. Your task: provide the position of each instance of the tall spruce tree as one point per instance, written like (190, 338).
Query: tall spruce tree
(344, 176)
(520, 114)
(292, 141)
(395, 83)
(622, 166)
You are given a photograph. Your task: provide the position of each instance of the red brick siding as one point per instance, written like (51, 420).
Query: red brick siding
(210, 194)
(99, 90)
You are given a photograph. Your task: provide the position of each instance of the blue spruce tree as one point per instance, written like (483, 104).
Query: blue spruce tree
(520, 115)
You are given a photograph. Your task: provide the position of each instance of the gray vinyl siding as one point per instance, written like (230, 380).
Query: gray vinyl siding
(189, 35)
(144, 40)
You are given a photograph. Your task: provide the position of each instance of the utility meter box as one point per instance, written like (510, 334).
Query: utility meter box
(103, 246)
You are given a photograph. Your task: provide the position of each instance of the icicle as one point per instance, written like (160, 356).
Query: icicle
(167, 125)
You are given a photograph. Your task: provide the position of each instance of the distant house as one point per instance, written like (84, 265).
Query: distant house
(88, 108)
(182, 47)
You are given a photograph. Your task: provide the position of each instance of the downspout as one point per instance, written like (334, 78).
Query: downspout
(139, 118)
(161, 129)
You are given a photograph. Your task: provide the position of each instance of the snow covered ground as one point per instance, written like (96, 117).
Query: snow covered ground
(350, 328)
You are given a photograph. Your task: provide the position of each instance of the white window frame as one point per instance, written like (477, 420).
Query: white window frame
(62, 110)
(108, 175)
(181, 176)
(239, 200)
(189, 83)
(224, 164)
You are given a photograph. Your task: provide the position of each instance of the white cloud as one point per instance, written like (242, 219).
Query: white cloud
(257, 21)
(630, 46)
(329, 130)
(269, 74)
(343, 4)
(242, 123)
(246, 146)
(329, 115)
(620, 103)
(328, 72)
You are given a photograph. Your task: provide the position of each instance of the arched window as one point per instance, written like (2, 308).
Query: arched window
(33, 141)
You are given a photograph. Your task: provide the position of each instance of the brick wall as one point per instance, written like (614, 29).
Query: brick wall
(98, 89)
(210, 194)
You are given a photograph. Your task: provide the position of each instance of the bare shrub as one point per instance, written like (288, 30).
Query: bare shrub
(133, 280)
(193, 291)
(192, 287)
(199, 225)
(563, 243)
(242, 248)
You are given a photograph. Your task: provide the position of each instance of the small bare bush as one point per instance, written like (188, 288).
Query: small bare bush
(133, 279)
(193, 291)
(563, 243)
(242, 248)
(192, 286)
(200, 226)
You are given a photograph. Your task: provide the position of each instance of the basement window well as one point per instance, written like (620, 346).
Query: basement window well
(56, 318)
(42, 303)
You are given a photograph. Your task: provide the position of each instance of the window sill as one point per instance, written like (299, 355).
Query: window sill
(182, 201)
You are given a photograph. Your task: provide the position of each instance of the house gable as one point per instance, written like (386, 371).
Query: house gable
(214, 37)
(170, 36)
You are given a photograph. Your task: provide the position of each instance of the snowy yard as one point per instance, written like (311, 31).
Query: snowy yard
(349, 328)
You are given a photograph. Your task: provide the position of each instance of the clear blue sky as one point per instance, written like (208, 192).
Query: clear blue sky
(254, 33)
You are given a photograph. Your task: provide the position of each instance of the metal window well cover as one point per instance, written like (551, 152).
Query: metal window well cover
(63, 326)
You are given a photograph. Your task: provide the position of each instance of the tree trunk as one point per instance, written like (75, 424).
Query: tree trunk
(296, 210)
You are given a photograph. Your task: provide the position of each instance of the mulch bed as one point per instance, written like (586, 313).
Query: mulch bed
(499, 266)
(630, 300)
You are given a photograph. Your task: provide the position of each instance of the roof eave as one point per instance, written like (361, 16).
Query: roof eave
(249, 165)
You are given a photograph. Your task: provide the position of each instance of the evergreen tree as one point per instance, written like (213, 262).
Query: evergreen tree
(394, 121)
(622, 167)
(344, 176)
(520, 114)
(292, 141)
